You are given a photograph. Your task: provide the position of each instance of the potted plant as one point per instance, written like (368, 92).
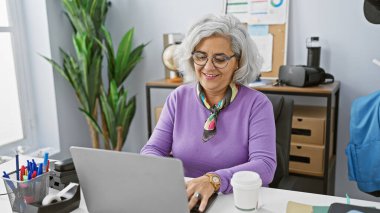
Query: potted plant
(106, 107)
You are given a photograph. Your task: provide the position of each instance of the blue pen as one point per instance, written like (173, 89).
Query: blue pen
(40, 168)
(17, 168)
(46, 157)
(30, 175)
(5, 174)
(9, 182)
(34, 165)
(30, 167)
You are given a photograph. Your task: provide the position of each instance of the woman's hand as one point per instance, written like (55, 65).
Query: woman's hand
(199, 189)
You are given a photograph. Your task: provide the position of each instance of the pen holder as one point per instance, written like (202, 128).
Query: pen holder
(21, 193)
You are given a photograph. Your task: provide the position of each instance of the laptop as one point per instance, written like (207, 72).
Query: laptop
(127, 182)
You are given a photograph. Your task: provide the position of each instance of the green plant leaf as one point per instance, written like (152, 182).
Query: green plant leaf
(133, 59)
(130, 113)
(94, 78)
(123, 52)
(93, 8)
(121, 106)
(94, 123)
(56, 67)
(110, 52)
(109, 117)
(114, 96)
(76, 78)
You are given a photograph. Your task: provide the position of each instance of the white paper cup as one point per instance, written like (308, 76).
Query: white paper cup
(246, 185)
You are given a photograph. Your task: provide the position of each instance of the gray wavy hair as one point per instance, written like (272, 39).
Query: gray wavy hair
(242, 45)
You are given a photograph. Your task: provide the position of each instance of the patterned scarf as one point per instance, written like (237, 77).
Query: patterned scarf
(209, 129)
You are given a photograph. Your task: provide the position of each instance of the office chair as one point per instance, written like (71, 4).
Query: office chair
(283, 113)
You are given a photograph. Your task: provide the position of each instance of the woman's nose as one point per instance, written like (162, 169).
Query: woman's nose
(209, 65)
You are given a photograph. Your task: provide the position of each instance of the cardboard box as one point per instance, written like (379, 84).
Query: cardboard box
(309, 125)
(306, 159)
(157, 113)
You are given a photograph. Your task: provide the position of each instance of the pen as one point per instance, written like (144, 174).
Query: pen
(30, 174)
(22, 172)
(40, 169)
(46, 158)
(5, 175)
(17, 168)
(34, 165)
(48, 165)
(9, 182)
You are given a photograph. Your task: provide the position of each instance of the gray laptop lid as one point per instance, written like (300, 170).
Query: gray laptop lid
(126, 182)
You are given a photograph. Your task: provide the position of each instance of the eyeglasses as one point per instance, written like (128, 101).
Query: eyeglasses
(219, 61)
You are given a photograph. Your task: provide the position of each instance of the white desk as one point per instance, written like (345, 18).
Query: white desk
(271, 200)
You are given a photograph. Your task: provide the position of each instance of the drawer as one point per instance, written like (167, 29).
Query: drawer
(306, 159)
(309, 125)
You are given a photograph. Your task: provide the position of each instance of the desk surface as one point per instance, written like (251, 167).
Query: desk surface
(320, 89)
(270, 201)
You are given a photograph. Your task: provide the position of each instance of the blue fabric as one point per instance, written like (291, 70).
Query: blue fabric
(363, 151)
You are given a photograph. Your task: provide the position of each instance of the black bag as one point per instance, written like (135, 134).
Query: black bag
(303, 76)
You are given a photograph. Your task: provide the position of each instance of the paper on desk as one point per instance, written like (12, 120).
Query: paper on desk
(294, 207)
(262, 82)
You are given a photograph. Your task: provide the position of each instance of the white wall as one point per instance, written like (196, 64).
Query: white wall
(349, 44)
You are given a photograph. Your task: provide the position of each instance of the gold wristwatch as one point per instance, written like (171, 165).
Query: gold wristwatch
(214, 180)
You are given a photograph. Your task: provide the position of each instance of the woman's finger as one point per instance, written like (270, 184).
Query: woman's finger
(189, 191)
(203, 204)
(193, 201)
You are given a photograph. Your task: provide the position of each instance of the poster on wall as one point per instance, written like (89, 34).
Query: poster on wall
(267, 25)
(265, 12)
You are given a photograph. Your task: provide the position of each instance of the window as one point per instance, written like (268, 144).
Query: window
(13, 125)
(30, 94)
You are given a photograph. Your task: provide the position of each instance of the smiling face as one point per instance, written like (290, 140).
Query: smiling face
(215, 80)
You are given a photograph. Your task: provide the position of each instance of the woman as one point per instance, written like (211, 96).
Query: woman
(216, 125)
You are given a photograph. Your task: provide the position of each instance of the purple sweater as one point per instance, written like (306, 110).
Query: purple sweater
(245, 138)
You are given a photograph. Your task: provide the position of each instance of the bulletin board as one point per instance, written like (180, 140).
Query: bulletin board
(270, 15)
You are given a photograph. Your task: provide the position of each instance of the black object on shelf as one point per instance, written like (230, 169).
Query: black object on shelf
(62, 174)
